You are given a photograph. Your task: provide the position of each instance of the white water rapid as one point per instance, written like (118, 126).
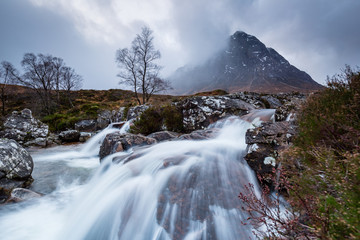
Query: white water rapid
(172, 190)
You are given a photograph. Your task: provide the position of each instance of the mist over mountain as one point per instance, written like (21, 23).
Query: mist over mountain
(246, 64)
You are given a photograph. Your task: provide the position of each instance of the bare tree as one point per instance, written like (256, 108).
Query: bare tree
(70, 80)
(139, 68)
(46, 74)
(6, 70)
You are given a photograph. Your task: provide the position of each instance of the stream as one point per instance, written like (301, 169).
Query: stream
(172, 190)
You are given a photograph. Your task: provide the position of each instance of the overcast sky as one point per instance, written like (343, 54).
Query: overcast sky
(317, 36)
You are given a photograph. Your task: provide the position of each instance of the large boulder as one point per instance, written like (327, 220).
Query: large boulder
(16, 166)
(264, 144)
(119, 115)
(69, 136)
(118, 142)
(199, 112)
(104, 118)
(23, 127)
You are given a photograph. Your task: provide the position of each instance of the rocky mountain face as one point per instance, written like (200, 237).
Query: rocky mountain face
(245, 65)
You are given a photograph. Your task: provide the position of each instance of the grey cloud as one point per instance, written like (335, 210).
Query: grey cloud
(316, 36)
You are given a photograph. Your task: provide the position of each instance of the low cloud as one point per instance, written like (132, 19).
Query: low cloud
(316, 36)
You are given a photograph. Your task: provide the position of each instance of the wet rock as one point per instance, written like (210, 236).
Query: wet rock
(69, 136)
(86, 126)
(254, 99)
(22, 194)
(201, 134)
(200, 112)
(135, 112)
(118, 142)
(23, 127)
(264, 144)
(163, 135)
(84, 136)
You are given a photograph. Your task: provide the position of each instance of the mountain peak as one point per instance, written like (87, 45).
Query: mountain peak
(246, 64)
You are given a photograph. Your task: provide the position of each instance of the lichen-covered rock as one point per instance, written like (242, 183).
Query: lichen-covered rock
(38, 142)
(287, 111)
(86, 125)
(23, 127)
(119, 116)
(69, 136)
(199, 112)
(16, 166)
(135, 112)
(118, 142)
(264, 143)
(254, 99)
(15, 161)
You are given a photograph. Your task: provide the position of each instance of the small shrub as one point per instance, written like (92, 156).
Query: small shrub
(157, 119)
(150, 121)
(173, 118)
(59, 122)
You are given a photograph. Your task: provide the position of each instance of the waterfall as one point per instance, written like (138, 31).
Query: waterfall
(91, 147)
(172, 190)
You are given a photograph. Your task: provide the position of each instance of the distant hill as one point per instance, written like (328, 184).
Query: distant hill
(245, 65)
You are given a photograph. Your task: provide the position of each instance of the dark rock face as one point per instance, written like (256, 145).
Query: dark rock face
(86, 126)
(16, 166)
(117, 142)
(264, 144)
(23, 128)
(69, 136)
(246, 64)
(200, 112)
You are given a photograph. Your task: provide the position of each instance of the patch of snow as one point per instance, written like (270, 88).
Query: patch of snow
(253, 148)
(270, 160)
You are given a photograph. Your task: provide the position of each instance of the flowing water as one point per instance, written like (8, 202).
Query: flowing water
(172, 190)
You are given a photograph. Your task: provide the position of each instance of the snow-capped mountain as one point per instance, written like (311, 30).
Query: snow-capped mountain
(245, 65)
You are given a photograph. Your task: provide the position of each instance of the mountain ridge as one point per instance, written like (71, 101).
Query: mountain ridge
(246, 64)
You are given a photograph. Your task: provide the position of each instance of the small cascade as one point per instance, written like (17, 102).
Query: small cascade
(91, 147)
(169, 191)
